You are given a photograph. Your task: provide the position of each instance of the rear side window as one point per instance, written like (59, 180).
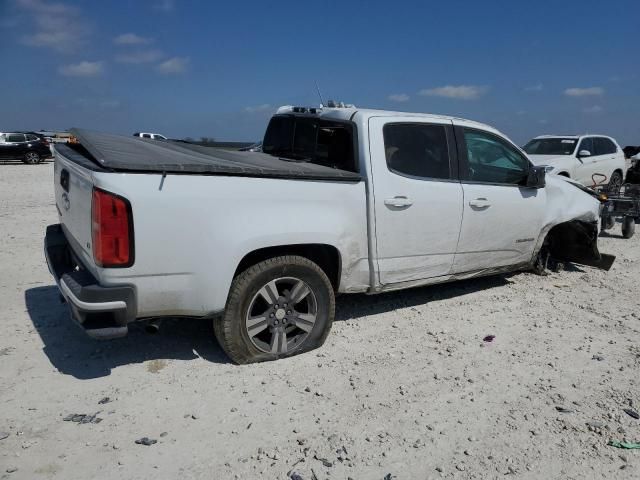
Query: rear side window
(417, 150)
(15, 137)
(146, 135)
(31, 137)
(604, 146)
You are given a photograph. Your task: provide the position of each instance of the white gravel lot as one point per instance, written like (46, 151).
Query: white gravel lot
(404, 388)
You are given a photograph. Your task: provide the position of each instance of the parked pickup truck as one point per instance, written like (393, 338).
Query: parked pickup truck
(340, 200)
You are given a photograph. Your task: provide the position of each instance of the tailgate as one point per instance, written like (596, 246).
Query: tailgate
(73, 185)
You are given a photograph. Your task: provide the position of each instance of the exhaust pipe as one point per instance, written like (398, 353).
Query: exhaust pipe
(152, 326)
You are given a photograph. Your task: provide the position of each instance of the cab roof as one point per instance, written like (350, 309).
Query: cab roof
(349, 112)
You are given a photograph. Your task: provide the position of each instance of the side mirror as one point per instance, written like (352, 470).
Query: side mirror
(584, 153)
(536, 177)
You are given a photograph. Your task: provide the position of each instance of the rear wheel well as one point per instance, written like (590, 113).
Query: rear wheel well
(564, 174)
(327, 257)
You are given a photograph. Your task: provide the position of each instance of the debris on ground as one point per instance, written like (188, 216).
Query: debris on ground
(82, 418)
(627, 445)
(4, 435)
(146, 441)
(489, 338)
(599, 358)
(104, 400)
(564, 409)
(632, 413)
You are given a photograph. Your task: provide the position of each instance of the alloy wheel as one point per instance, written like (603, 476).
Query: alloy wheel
(281, 315)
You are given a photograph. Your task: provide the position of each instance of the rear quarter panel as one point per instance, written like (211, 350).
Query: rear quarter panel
(191, 232)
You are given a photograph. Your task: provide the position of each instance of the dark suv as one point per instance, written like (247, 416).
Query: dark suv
(26, 146)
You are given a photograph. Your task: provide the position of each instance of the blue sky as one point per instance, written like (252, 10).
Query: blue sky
(189, 68)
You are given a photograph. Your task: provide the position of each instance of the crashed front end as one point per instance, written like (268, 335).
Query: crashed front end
(570, 232)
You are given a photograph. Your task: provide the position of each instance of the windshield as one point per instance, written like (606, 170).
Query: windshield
(551, 146)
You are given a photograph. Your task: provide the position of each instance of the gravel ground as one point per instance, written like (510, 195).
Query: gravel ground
(404, 388)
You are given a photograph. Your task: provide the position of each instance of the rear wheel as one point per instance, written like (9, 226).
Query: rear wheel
(628, 227)
(277, 308)
(615, 182)
(31, 158)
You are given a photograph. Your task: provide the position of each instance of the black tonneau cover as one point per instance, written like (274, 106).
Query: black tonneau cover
(121, 153)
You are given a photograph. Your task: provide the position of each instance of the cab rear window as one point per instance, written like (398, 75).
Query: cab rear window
(313, 140)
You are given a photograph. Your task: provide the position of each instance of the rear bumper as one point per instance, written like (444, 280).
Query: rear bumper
(103, 312)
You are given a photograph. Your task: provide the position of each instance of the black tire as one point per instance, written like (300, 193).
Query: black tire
(628, 227)
(31, 158)
(231, 329)
(615, 182)
(607, 223)
(542, 260)
(633, 176)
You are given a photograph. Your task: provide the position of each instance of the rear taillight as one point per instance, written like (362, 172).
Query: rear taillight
(112, 230)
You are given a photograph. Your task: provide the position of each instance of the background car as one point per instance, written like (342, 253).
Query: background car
(29, 147)
(152, 136)
(589, 159)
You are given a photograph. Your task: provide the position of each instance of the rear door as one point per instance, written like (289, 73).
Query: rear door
(417, 197)
(607, 161)
(502, 218)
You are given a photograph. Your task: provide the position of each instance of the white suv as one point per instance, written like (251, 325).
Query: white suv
(152, 136)
(588, 159)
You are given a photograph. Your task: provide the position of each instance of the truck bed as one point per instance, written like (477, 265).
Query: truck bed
(128, 154)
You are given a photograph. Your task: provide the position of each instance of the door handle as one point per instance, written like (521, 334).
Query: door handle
(398, 202)
(480, 203)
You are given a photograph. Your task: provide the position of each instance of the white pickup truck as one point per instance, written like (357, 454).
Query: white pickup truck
(341, 200)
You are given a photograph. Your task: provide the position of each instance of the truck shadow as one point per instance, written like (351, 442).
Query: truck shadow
(73, 353)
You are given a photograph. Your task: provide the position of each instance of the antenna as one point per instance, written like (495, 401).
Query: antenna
(319, 94)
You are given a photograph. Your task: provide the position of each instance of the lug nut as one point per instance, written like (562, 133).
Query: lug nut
(288, 312)
(271, 315)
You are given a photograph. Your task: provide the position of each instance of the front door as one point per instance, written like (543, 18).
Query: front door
(417, 197)
(587, 169)
(502, 218)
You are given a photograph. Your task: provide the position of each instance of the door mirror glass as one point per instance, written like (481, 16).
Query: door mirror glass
(584, 153)
(536, 177)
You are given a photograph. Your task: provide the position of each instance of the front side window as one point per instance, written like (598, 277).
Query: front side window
(15, 137)
(587, 144)
(146, 135)
(417, 150)
(31, 137)
(493, 160)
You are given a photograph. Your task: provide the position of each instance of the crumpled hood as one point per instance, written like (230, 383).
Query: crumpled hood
(569, 200)
(547, 159)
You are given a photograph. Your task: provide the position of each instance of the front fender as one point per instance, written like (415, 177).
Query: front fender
(577, 242)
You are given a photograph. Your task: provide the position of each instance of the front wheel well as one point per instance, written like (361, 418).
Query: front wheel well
(565, 174)
(327, 257)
